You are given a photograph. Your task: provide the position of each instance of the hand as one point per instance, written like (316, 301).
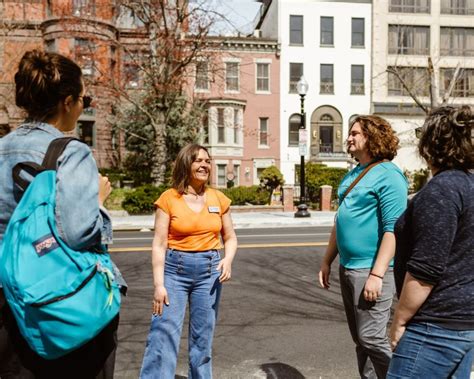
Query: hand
(324, 272)
(373, 288)
(160, 298)
(104, 189)
(396, 332)
(225, 267)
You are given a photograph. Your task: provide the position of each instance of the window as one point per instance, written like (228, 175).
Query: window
(296, 30)
(85, 132)
(327, 31)
(83, 8)
(220, 126)
(232, 76)
(294, 130)
(221, 176)
(464, 86)
(263, 77)
(131, 71)
(296, 72)
(236, 126)
(358, 32)
(236, 173)
(327, 79)
(263, 131)
(464, 7)
(409, 6)
(84, 52)
(415, 77)
(357, 79)
(50, 46)
(408, 40)
(205, 124)
(457, 41)
(202, 78)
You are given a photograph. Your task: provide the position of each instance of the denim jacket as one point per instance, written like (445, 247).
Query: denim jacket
(81, 223)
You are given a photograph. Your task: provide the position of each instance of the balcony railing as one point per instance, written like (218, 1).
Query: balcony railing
(406, 50)
(357, 88)
(327, 87)
(409, 8)
(461, 52)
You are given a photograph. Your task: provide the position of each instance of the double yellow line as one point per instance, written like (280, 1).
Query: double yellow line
(242, 246)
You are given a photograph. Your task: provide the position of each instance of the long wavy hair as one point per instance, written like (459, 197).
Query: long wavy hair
(382, 143)
(181, 176)
(446, 139)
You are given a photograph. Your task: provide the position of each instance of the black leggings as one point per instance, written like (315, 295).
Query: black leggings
(95, 359)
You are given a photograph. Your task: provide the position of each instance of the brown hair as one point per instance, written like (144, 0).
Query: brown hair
(382, 143)
(43, 80)
(182, 166)
(446, 139)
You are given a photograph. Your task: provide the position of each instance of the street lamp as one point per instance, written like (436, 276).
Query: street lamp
(302, 87)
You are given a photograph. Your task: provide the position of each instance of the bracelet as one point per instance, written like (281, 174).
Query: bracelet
(377, 276)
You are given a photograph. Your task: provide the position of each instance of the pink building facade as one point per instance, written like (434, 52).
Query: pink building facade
(240, 86)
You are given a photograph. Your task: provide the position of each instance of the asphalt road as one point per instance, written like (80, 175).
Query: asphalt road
(274, 321)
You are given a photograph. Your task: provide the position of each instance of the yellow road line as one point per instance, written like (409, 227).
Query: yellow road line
(243, 246)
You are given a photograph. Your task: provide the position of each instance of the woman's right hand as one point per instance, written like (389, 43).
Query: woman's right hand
(324, 273)
(104, 189)
(160, 298)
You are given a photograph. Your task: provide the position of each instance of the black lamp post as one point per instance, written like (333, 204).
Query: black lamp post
(302, 87)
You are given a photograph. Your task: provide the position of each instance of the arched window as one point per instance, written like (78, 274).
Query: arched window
(293, 129)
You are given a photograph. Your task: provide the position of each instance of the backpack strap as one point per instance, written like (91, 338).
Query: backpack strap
(359, 178)
(55, 149)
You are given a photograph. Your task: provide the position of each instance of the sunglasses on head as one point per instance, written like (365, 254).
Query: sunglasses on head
(86, 101)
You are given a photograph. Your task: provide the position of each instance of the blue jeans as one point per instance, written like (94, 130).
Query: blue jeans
(189, 277)
(430, 351)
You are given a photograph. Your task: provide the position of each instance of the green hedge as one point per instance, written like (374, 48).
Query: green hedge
(318, 175)
(141, 199)
(254, 195)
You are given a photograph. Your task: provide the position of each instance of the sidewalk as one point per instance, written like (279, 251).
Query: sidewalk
(244, 220)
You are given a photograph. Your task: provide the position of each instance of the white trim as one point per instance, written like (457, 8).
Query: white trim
(231, 60)
(263, 60)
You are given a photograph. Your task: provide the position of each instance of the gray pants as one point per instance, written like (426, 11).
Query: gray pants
(368, 320)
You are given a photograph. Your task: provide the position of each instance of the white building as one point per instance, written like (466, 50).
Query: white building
(405, 34)
(329, 42)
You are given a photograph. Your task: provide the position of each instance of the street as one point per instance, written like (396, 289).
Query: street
(274, 321)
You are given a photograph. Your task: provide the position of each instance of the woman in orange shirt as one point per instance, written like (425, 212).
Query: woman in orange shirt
(187, 267)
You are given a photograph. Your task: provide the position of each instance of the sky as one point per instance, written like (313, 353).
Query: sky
(240, 15)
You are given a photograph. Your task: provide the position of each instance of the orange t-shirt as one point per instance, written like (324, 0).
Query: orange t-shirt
(194, 231)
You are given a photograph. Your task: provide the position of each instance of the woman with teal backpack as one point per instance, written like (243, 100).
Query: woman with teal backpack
(50, 89)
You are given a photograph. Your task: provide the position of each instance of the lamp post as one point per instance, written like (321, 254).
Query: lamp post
(302, 87)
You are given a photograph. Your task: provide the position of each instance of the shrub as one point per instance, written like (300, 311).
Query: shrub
(417, 179)
(117, 196)
(317, 175)
(141, 199)
(241, 195)
(271, 178)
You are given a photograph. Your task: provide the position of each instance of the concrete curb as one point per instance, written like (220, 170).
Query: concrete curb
(247, 220)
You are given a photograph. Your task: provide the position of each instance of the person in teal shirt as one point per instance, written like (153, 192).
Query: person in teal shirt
(363, 237)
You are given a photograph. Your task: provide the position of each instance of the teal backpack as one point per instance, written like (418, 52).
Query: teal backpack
(61, 298)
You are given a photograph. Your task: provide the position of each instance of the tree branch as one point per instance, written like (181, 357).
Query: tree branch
(408, 89)
(452, 83)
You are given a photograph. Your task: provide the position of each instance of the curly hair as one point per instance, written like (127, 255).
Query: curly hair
(382, 143)
(446, 139)
(181, 176)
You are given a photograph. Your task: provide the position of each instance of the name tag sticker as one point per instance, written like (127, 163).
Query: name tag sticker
(213, 209)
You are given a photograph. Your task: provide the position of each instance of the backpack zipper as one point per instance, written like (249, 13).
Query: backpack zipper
(63, 297)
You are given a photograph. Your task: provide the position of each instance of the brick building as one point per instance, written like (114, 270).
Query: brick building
(242, 95)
